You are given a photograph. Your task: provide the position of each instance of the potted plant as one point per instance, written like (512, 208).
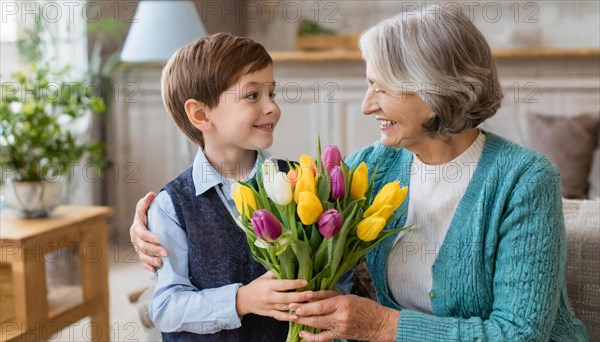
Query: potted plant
(38, 113)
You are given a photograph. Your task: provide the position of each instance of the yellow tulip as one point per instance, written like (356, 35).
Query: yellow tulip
(385, 211)
(391, 195)
(242, 195)
(369, 228)
(309, 207)
(360, 182)
(309, 162)
(306, 182)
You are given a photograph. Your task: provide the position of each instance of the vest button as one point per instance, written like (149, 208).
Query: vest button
(431, 294)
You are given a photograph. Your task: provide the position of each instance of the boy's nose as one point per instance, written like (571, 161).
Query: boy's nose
(270, 108)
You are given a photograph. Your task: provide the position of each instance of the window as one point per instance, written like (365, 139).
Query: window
(62, 31)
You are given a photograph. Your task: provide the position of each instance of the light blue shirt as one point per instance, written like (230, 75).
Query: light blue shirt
(176, 304)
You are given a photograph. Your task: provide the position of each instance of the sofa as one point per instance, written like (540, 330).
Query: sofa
(583, 261)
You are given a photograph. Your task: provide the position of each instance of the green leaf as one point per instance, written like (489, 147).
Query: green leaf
(348, 174)
(323, 184)
(370, 187)
(321, 255)
(305, 263)
(318, 161)
(283, 243)
(317, 280)
(315, 238)
(288, 264)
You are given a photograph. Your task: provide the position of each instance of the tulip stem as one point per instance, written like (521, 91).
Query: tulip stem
(292, 221)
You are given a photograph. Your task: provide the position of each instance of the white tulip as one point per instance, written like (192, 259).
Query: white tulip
(268, 169)
(278, 188)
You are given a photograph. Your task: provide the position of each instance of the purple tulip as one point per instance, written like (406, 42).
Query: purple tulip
(331, 157)
(338, 186)
(330, 223)
(266, 225)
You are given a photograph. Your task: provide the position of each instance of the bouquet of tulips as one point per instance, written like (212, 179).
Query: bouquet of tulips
(316, 221)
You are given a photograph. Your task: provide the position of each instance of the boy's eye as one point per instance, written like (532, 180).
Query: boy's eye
(252, 96)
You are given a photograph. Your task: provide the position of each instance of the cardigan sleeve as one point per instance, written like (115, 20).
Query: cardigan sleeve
(528, 276)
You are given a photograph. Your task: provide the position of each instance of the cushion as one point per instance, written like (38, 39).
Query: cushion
(570, 143)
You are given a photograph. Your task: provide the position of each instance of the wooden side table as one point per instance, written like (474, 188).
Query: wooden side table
(40, 312)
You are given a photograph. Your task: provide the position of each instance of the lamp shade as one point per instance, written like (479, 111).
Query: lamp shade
(160, 28)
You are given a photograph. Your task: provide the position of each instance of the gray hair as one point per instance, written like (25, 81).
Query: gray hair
(443, 58)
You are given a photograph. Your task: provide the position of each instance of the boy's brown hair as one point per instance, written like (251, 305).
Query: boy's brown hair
(205, 68)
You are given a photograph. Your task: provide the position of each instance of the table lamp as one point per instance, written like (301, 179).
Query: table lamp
(160, 28)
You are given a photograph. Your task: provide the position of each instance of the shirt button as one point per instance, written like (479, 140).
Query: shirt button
(431, 294)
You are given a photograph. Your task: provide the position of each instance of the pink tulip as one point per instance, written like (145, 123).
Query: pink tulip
(266, 226)
(331, 157)
(338, 186)
(330, 223)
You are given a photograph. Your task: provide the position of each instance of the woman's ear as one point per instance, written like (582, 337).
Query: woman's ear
(196, 113)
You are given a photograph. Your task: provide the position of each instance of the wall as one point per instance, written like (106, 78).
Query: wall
(506, 24)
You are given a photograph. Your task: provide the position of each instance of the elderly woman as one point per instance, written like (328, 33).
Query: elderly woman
(485, 259)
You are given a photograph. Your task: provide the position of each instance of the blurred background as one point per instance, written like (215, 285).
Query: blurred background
(123, 143)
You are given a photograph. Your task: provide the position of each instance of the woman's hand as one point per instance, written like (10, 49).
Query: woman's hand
(267, 296)
(323, 294)
(146, 243)
(347, 317)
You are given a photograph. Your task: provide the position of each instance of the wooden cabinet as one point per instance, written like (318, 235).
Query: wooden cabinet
(144, 147)
(329, 107)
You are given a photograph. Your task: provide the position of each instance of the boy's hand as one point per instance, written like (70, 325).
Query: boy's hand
(145, 242)
(267, 296)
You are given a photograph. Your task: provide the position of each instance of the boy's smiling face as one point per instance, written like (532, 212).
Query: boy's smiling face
(246, 114)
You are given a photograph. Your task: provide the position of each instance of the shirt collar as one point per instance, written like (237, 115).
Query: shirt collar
(205, 176)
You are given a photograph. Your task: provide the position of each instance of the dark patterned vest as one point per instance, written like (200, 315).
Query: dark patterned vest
(218, 255)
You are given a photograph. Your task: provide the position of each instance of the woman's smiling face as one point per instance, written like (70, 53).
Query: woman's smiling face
(400, 115)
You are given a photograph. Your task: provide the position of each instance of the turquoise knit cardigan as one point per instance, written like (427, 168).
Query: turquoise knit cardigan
(500, 272)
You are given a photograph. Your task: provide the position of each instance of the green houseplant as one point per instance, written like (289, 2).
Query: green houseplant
(38, 111)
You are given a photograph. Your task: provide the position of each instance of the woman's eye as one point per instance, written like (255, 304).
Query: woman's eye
(252, 96)
(272, 95)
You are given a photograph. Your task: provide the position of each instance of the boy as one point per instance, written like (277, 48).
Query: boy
(219, 91)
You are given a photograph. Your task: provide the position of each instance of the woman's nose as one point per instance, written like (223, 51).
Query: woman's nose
(369, 103)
